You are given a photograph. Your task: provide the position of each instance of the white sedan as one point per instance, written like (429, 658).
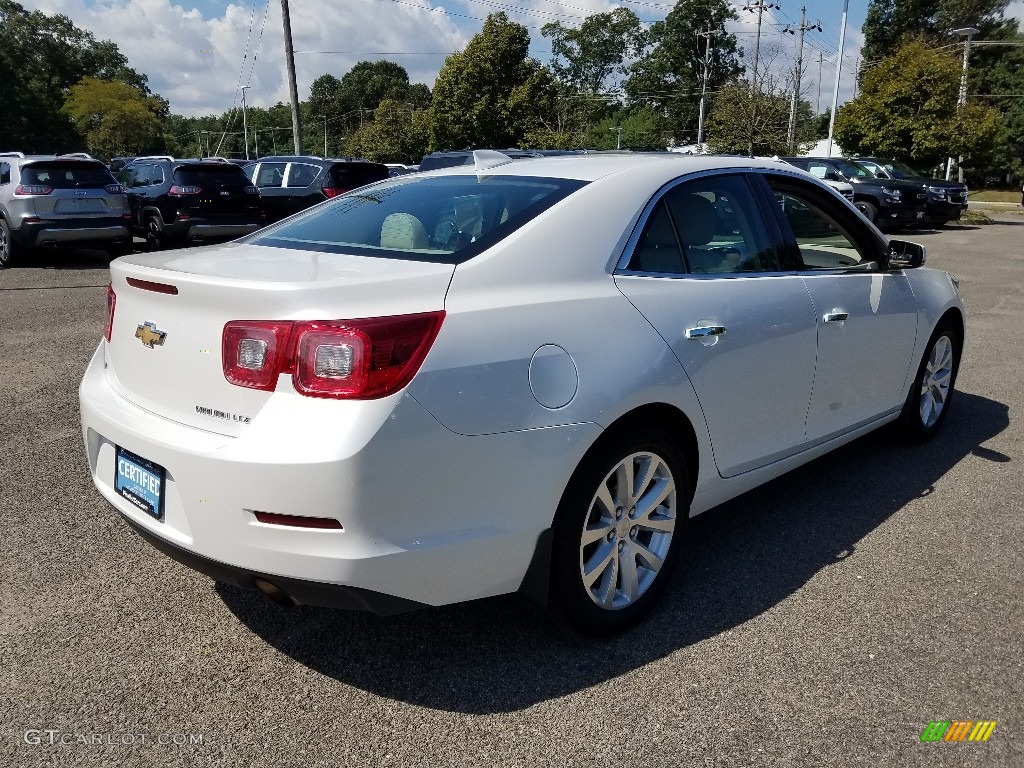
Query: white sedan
(514, 376)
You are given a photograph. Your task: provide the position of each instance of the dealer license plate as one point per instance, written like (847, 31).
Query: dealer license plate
(141, 482)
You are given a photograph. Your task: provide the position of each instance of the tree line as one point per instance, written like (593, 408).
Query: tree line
(611, 80)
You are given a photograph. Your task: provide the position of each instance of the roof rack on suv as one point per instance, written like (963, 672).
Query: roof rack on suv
(82, 155)
(217, 158)
(153, 157)
(13, 154)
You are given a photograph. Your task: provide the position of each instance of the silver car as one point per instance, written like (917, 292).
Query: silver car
(47, 201)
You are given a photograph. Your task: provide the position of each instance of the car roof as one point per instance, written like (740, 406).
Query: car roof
(591, 167)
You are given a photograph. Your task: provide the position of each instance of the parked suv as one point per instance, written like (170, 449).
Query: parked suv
(189, 202)
(891, 204)
(946, 200)
(291, 183)
(48, 201)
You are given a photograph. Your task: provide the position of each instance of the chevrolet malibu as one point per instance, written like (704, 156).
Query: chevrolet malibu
(511, 376)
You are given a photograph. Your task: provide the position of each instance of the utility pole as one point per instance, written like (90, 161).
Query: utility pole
(293, 91)
(961, 102)
(856, 77)
(804, 26)
(760, 7)
(817, 99)
(706, 61)
(618, 140)
(839, 72)
(245, 120)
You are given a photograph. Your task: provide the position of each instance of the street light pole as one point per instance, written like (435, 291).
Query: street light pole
(245, 120)
(618, 140)
(839, 71)
(961, 102)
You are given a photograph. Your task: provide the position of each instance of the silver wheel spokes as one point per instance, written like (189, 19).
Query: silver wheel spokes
(628, 530)
(935, 381)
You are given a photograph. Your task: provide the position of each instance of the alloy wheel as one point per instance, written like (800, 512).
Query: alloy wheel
(936, 380)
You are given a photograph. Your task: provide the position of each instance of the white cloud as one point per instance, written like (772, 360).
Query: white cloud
(198, 63)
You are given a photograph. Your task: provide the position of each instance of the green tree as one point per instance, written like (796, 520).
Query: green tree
(745, 120)
(907, 108)
(115, 118)
(492, 94)
(397, 134)
(668, 77)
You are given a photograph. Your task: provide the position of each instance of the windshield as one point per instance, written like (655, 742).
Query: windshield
(444, 219)
(854, 170)
(901, 170)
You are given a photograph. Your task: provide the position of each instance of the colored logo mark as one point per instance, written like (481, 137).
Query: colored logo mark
(958, 730)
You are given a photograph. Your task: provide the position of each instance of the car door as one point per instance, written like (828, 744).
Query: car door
(704, 271)
(866, 316)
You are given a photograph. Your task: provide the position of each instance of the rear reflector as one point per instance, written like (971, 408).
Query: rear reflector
(333, 191)
(299, 521)
(147, 285)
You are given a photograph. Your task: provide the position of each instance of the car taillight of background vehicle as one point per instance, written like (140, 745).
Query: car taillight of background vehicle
(111, 301)
(32, 189)
(333, 191)
(348, 359)
(180, 191)
(114, 189)
(251, 191)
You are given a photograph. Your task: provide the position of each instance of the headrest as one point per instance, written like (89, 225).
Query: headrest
(403, 232)
(695, 217)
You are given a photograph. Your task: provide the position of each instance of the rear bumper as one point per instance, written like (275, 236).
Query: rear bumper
(72, 233)
(429, 517)
(200, 230)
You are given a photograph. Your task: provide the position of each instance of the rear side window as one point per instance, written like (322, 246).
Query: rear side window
(220, 175)
(270, 175)
(446, 219)
(62, 174)
(302, 174)
(352, 175)
(5, 173)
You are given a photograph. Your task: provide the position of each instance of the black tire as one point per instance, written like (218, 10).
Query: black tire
(9, 252)
(608, 604)
(870, 210)
(918, 421)
(156, 240)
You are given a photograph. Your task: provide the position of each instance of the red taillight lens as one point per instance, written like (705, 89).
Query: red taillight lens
(114, 189)
(32, 189)
(251, 191)
(356, 359)
(177, 190)
(333, 191)
(111, 301)
(255, 353)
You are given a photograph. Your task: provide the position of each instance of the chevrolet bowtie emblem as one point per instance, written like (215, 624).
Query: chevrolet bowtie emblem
(149, 335)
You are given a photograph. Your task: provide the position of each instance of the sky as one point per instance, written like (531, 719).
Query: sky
(199, 53)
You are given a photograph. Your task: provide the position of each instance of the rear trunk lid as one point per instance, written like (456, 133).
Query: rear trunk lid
(171, 307)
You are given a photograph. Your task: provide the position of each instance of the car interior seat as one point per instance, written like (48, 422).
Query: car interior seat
(403, 232)
(696, 218)
(658, 251)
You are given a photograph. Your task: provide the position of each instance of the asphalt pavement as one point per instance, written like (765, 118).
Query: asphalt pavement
(822, 620)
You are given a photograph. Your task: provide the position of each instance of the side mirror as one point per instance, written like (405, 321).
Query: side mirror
(906, 255)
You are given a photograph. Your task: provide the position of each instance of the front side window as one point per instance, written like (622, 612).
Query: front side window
(707, 226)
(823, 238)
(445, 219)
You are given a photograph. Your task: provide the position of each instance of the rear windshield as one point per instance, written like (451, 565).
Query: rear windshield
(352, 175)
(221, 174)
(65, 174)
(444, 219)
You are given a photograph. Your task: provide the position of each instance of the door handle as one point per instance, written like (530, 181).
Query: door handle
(703, 331)
(835, 317)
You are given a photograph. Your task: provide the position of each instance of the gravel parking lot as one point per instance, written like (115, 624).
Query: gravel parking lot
(822, 620)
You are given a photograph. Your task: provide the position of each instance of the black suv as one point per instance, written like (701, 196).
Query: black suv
(291, 183)
(189, 202)
(946, 200)
(890, 204)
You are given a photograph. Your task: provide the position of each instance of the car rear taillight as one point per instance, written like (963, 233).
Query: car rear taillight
(178, 190)
(114, 189)
(254, 352)
(333, 191)
(356, 359)
(251, 190)
(32, 189)
(111, 301)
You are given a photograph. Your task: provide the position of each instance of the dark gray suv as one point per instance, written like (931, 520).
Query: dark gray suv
(49, 201)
